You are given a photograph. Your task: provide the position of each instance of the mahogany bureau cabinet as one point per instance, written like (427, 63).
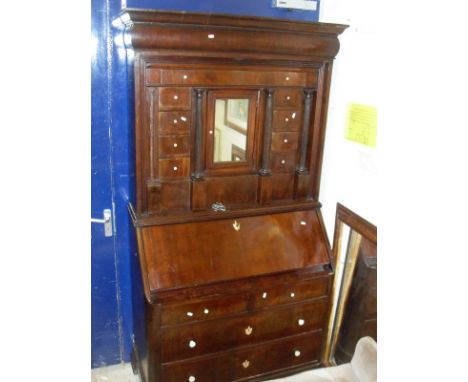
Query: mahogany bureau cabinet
(234, 260)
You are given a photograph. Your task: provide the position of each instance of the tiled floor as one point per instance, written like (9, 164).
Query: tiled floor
(114, 373)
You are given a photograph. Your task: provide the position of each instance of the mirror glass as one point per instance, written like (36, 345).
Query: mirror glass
(230, 135)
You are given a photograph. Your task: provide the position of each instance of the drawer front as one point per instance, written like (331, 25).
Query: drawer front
(174, 122)
(291, 293)
(282, 186)
(173, 145)
(202, 310)
(174, 98)
(287, 98)
(284, 141)
(219, 77)
(286, 120)
(256, 360)
(174, 168)
(283, 161)
(169, 196)
(186, 341)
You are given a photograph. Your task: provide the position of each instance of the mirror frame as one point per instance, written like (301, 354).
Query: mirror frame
(231, 167)
(358, 228)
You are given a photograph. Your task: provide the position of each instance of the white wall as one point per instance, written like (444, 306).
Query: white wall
(349, 173)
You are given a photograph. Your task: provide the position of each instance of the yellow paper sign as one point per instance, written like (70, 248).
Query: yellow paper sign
(362, 124)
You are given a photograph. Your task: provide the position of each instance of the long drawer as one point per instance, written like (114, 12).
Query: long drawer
(242, 364)
(220, 77)
(186, 341)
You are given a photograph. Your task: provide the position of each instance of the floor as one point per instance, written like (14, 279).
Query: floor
(115, 373)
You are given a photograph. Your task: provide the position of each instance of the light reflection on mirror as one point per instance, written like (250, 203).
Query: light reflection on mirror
(230, 135)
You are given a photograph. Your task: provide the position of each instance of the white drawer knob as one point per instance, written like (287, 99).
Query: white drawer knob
(191, 378)
(288, 98)
(297, 353)
(190, 314)
(246, 364)
(292, 294)
(176, 97)
(287, 78)
(206, 311)
(184, 119)
(293, 115)
(175, 144)
(192, 344)
(175, 121)
(185, 76)
(285, 141)
(248, 330)
(286, 119)
(175, 168)
(264, 295)
(283, 161)
(301, 322)
(211, 36)
(303, 222)
(211, 131)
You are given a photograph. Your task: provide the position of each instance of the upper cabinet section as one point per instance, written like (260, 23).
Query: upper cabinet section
(230, 113)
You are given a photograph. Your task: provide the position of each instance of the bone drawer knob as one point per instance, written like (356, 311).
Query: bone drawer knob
(300, 322)
(206, 311)
(246, 364)
(286, 119)
(191, 378)
(264, 295)
(292, 295)
(184, 119)
(287, 78)
(175, 121)
(192, 344)
(211, 36)
(248, 330)
(288, 98)
(190, 314)
(283, 161)
(185, 76)
(285, 141)
(297, 353)
(175, 168)
(176, 97)
(175, 144)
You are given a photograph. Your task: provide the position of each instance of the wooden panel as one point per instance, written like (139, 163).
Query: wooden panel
(174, 145)
(240, 364)
(282, 186)
(229, 190)
(207, 309)
(174, 98)
(284, 294)
(283, 161)
(169, 196)
(217, 77)
(214, 251)
(288, 98)
(284, 141)
(218, 335)
(174, 122)
(174, 167)
(287, 120)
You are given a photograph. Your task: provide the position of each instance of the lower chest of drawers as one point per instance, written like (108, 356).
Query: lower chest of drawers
(241, 336)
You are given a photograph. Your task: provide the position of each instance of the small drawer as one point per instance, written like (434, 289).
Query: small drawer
(283, 161)
(173, 314)
(284, 141)
(173, 145)
(287, 98)
(301, 291)
(286, 120)
(171, 195)
(174, 122)
(241, 364)
(174, 98)
(174, 168)
(186, 341)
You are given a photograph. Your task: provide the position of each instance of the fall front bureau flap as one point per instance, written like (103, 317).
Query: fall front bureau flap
(191, 254)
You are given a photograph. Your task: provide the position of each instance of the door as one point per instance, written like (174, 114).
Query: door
(105, 341)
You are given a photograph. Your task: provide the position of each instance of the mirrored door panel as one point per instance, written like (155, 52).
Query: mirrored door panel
(230, 135)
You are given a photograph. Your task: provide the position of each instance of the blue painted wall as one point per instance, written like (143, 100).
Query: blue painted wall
(113, 163)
